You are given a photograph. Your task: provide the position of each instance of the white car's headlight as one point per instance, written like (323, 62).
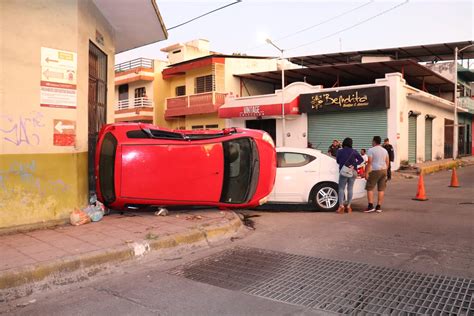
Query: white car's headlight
(266, 137)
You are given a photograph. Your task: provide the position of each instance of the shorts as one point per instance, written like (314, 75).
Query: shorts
(377, 178)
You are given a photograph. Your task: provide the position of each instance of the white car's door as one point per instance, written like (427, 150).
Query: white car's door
(294, 173)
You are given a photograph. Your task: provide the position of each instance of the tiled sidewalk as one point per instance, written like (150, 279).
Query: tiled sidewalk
(41, 246)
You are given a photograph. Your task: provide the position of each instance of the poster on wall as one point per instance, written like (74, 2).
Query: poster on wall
(64, 133)
(58, 78)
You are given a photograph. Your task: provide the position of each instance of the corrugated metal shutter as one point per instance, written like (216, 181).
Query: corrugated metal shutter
(428, 139)
(412, 139)
(360, 126)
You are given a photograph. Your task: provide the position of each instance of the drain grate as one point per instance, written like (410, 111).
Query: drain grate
(333, 285)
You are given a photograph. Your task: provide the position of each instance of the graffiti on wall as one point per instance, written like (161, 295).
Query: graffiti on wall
(21, 130)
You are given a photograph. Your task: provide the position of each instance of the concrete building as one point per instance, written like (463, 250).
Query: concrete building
(197, 81)
(138, 88)
(56, 91)
(359, 95)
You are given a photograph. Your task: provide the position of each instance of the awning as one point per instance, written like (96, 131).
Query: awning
(258, 110)
(136, 23)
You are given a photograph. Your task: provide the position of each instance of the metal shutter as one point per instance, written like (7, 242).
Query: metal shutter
(428, 139)
(360, 126)
(412, 139)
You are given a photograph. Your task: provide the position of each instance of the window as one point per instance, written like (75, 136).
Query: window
(123, 92)
(204, 84)
(181, 90)
(140, 92)
(291, 160)
(241, 168)
(176, 51)
(212, 126)
(197, 127)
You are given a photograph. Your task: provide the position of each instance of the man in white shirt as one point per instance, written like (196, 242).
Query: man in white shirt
(376, 174)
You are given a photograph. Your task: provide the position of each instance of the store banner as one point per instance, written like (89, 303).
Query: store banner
(345, 100)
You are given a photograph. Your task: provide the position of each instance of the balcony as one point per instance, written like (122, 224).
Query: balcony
(134, 110)
(467, 103)
(135, 63)
(134, 70)
(201, 103)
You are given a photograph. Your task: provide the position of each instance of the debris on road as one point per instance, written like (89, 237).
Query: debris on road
(193, 217)
(162, 212)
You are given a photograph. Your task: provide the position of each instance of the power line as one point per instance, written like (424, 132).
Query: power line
(316, 25)
(202, 15)
(325, 21)
(350, 27)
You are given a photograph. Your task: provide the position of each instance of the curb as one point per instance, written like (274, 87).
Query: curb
(439, 167)
(59, 267)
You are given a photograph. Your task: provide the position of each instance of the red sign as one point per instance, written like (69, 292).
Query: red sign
(64, 133)
(259, 110)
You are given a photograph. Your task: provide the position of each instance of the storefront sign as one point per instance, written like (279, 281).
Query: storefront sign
(58, 78)
(354, 99)
(253, 110)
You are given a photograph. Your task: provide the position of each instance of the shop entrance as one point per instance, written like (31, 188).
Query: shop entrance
(97, 104)
(428, 139)
(448, 138)
(267, 125)
(412, 138)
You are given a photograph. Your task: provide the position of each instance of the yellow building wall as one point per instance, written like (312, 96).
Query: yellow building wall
(204, 119)
(40, 182)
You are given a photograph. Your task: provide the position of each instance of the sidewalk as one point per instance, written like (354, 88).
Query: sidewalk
(33, 256)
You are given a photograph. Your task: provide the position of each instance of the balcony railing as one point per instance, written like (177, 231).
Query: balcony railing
(466, 103)
(135, 63)
(134, 103)
(206, 102)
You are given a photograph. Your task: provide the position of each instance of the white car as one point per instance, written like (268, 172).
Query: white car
(307, 176)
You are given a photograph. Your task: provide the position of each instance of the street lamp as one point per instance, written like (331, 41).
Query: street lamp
(283, 123)
(456, 125)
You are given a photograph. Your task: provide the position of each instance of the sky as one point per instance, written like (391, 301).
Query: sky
(312, 26)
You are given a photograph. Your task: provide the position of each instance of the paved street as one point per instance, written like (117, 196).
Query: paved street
(435, 237)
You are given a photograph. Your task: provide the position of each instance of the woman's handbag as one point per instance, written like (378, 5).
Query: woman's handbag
(347, 171)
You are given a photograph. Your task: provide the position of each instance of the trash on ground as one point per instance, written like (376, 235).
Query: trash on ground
(151, 236)
(193, 217)
(93, 212)
(162, 212)
(79, 217)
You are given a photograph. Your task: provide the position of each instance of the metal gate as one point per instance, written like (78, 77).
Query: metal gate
(428, 139)
(360, 126)
(97, 101)
(412, 138)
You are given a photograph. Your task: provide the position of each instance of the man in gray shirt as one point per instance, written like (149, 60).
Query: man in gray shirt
(376, 174)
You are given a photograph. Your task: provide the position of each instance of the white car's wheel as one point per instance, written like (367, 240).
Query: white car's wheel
(325, 197)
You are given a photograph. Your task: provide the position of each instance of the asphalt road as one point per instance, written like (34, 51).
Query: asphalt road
(435, 236)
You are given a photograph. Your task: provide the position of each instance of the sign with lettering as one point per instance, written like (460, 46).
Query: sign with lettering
(252, 110)
(58, 78)
(343, 100)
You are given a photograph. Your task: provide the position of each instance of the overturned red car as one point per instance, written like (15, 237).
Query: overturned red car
(139, 165)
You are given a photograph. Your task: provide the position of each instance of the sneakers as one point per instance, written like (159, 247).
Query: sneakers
(370, 209)
(378, 209)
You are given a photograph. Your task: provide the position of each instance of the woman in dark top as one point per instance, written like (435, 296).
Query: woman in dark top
(350, 158)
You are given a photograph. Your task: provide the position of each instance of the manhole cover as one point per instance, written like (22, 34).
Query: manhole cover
(333, 285)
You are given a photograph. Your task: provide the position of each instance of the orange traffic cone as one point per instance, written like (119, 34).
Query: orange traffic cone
(420, 194)
(454, 179)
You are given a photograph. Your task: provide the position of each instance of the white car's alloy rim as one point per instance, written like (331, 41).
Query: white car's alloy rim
(327, 197)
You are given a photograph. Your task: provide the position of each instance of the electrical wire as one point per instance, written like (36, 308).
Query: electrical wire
(202, 15)
(325, 21)
(350, 27)
(316, 25)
